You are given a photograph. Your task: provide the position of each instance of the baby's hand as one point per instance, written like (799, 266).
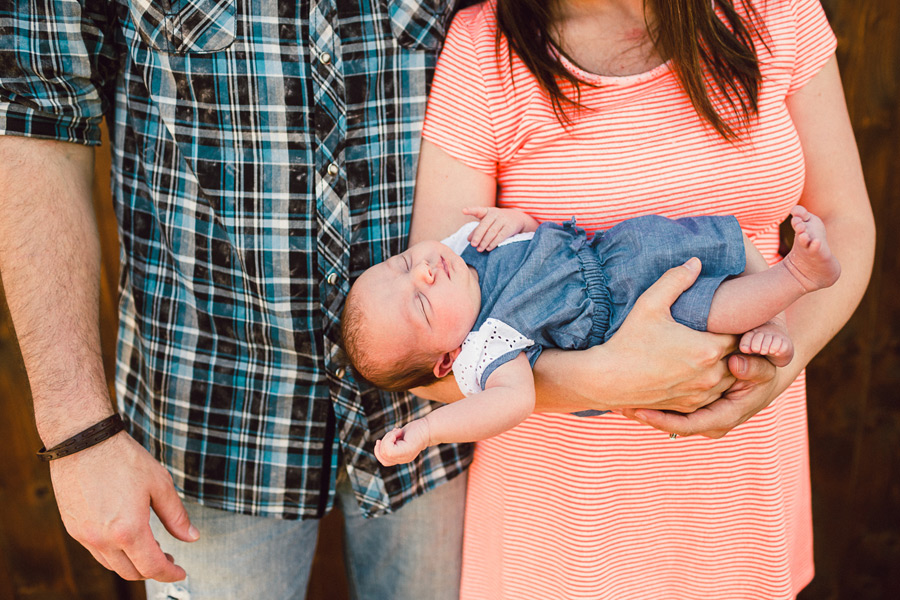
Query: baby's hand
(402, 445)
(497, 224)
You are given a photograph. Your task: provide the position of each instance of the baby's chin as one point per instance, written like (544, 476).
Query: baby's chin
(469, 327)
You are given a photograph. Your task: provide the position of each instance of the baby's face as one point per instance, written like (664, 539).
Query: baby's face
(425, 298)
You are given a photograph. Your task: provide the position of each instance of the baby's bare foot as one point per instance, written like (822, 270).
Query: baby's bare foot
(810, 260)
(769, 340)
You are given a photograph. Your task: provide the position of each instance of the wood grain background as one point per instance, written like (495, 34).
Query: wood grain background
(853, 397)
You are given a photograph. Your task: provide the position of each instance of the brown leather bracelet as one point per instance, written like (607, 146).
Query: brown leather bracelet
(94, 434)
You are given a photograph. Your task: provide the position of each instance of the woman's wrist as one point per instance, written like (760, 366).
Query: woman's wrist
(576, 380)
(785, 376)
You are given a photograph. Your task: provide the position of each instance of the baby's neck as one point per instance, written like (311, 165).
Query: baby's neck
(474, 273)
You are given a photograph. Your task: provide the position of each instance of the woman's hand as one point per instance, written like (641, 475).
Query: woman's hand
(651, 361)
(758, 384)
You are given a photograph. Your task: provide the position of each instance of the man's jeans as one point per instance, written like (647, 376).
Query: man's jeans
(414, 553)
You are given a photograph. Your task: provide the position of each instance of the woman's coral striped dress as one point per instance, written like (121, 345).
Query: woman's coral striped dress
(602, 507)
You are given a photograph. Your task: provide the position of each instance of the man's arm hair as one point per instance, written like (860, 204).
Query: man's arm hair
(50, 265)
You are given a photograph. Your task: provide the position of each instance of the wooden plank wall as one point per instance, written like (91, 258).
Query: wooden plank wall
(854, 383)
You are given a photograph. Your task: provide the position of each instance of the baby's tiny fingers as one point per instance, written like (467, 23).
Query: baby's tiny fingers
(491, 234)
(498, 236)
(477, 236)
(475, 211)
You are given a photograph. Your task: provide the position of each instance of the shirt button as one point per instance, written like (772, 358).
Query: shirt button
(340, 372)
(324, 58)
(332, 278)
(333, 169)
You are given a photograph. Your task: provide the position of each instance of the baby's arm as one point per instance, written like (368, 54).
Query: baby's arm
(497, 224)
(507, 399)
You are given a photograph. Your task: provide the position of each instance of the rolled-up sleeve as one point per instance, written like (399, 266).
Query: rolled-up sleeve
(57, 63)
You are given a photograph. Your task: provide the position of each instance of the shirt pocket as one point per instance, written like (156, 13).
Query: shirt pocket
(185, 26)
(418, 24)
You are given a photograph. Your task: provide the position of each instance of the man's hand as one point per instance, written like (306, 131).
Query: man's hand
(756, 386)
(105, 494)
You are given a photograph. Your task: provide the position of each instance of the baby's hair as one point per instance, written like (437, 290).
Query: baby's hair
(414, 369)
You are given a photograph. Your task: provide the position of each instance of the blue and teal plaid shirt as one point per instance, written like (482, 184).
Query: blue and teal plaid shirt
(264, 154)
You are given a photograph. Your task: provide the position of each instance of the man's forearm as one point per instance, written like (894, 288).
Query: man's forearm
(50, 265)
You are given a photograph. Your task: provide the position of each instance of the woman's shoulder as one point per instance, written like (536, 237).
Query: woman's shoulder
(478, 22)
(781, 18)
(797, 37)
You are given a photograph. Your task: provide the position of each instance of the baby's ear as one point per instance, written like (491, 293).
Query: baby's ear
(444, 364)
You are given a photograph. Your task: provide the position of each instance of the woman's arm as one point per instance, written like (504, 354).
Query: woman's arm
(444, 187)
(651, 362)
(835, 190)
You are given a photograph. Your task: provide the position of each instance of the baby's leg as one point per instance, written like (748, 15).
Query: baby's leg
(759, 294)
(810, 260)
(770, 339)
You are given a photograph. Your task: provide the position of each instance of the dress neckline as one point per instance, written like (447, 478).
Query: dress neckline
(609, 80)
(615, 80)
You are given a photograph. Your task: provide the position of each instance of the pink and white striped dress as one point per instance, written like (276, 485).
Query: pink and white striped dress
(602, 507)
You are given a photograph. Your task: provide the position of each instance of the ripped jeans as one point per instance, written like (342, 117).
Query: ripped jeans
(414, 553)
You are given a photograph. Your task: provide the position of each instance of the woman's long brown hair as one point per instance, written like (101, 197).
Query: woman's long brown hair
(689, 33)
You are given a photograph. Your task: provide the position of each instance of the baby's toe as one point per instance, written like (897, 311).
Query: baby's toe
(800, 212)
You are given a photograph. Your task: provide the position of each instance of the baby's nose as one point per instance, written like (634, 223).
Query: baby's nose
(425, 272)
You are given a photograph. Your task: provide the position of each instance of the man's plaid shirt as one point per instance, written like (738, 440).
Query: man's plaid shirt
(264, 154)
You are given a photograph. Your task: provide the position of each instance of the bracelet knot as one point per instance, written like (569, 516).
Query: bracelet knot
(91, 436)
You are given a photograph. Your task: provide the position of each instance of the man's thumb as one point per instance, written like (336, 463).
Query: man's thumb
(172, 514)
(673, 283)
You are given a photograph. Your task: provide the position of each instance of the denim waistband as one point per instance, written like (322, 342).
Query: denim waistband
(597, 287)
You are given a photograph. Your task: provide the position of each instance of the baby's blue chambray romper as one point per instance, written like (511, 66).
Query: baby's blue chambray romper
(564, 288)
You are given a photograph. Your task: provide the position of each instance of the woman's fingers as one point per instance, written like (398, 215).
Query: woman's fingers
(751, 368)
(754, 390)
(679, 369)
(666, 290)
